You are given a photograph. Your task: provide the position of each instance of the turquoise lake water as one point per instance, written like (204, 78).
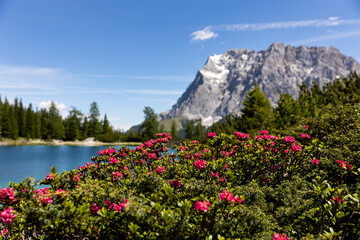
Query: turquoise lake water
(19, 162)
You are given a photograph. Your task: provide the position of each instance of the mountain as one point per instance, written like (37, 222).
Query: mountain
(220, 86)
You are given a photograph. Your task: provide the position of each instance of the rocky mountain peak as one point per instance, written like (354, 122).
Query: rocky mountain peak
(219, 87)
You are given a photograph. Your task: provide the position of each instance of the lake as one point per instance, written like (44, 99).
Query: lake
(19, 162)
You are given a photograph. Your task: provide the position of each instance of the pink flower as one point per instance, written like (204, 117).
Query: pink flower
(116, 175)
(50, 177)
(289, 139)
(113, 160)
(240, 135)
(296, 148)
(7, 193)
(338, 200)
(46, 200)
(200, 164)
(95, 208)
(152, 156)
(280, 237)
(302, 135)
(160, 170)
(175, 183)
(204, 205)
(76, 178)
(7, 215)
(212, 174)
(118, 207)
(306, 127)
(315, 161)
(264, 132)
(344, 165)
(226, 196)
(211, 134)
(4, 232)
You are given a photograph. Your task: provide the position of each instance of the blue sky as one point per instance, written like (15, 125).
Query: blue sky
(126, 55)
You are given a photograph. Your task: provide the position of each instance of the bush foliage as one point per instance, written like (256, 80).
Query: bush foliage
(231, 187)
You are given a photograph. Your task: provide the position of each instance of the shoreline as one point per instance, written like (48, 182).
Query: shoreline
(54, 142)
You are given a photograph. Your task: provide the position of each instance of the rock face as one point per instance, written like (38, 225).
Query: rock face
(220, 86)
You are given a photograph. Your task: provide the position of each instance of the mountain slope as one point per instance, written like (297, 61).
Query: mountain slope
(219, 87)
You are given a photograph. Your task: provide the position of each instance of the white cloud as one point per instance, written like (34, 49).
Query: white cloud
(47, 104)
(331, 21)
(203, 35)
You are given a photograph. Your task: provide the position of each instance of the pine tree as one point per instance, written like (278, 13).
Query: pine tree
(106, 126)
(55, 124)
(30, 122)
(95, 127)
(150, 125)
(173, 129)
(7, 124)
(286, 111)
(189, 129)
(257, 110)
(37, 133)
(73, 125)
(21, 117)
(85, 128)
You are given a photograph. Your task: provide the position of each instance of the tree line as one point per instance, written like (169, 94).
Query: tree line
(312, 102)
(18, 121)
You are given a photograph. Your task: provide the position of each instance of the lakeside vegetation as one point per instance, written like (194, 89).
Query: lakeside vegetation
(299, 179)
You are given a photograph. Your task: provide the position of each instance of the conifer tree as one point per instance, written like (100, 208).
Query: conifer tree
(30, 122)
(73, 125)
(189, 129)
(173, 131)
(257, 110)
(7, 124)
(95, 127)
(55, 124)
(149, 127)
(106, 126)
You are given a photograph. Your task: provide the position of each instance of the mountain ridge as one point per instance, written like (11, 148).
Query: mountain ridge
(220, 86)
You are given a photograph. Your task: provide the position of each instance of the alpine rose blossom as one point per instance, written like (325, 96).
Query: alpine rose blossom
(175, 183)
(280, 237)
(160, 170)
(95, 208)
(200, 164)
(203, 206)
(211, 135)
(50, 177)
(7, 216)
(315, 161)
(4, 232)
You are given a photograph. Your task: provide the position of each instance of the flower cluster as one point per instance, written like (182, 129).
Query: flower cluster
(50, 177)
(303, 135)
(338, 200)
(116, 175)
(315, 161)
(211, 135)
(43, 195)
(117, 207)
(240, 135)
(160, 170)
(175, 183)
(7, 193)
(108, 151)
(203, 206)
(200, 164)
(229, 197)
(95, 208)
(7, 216)
(280, 237)
(344, 165)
